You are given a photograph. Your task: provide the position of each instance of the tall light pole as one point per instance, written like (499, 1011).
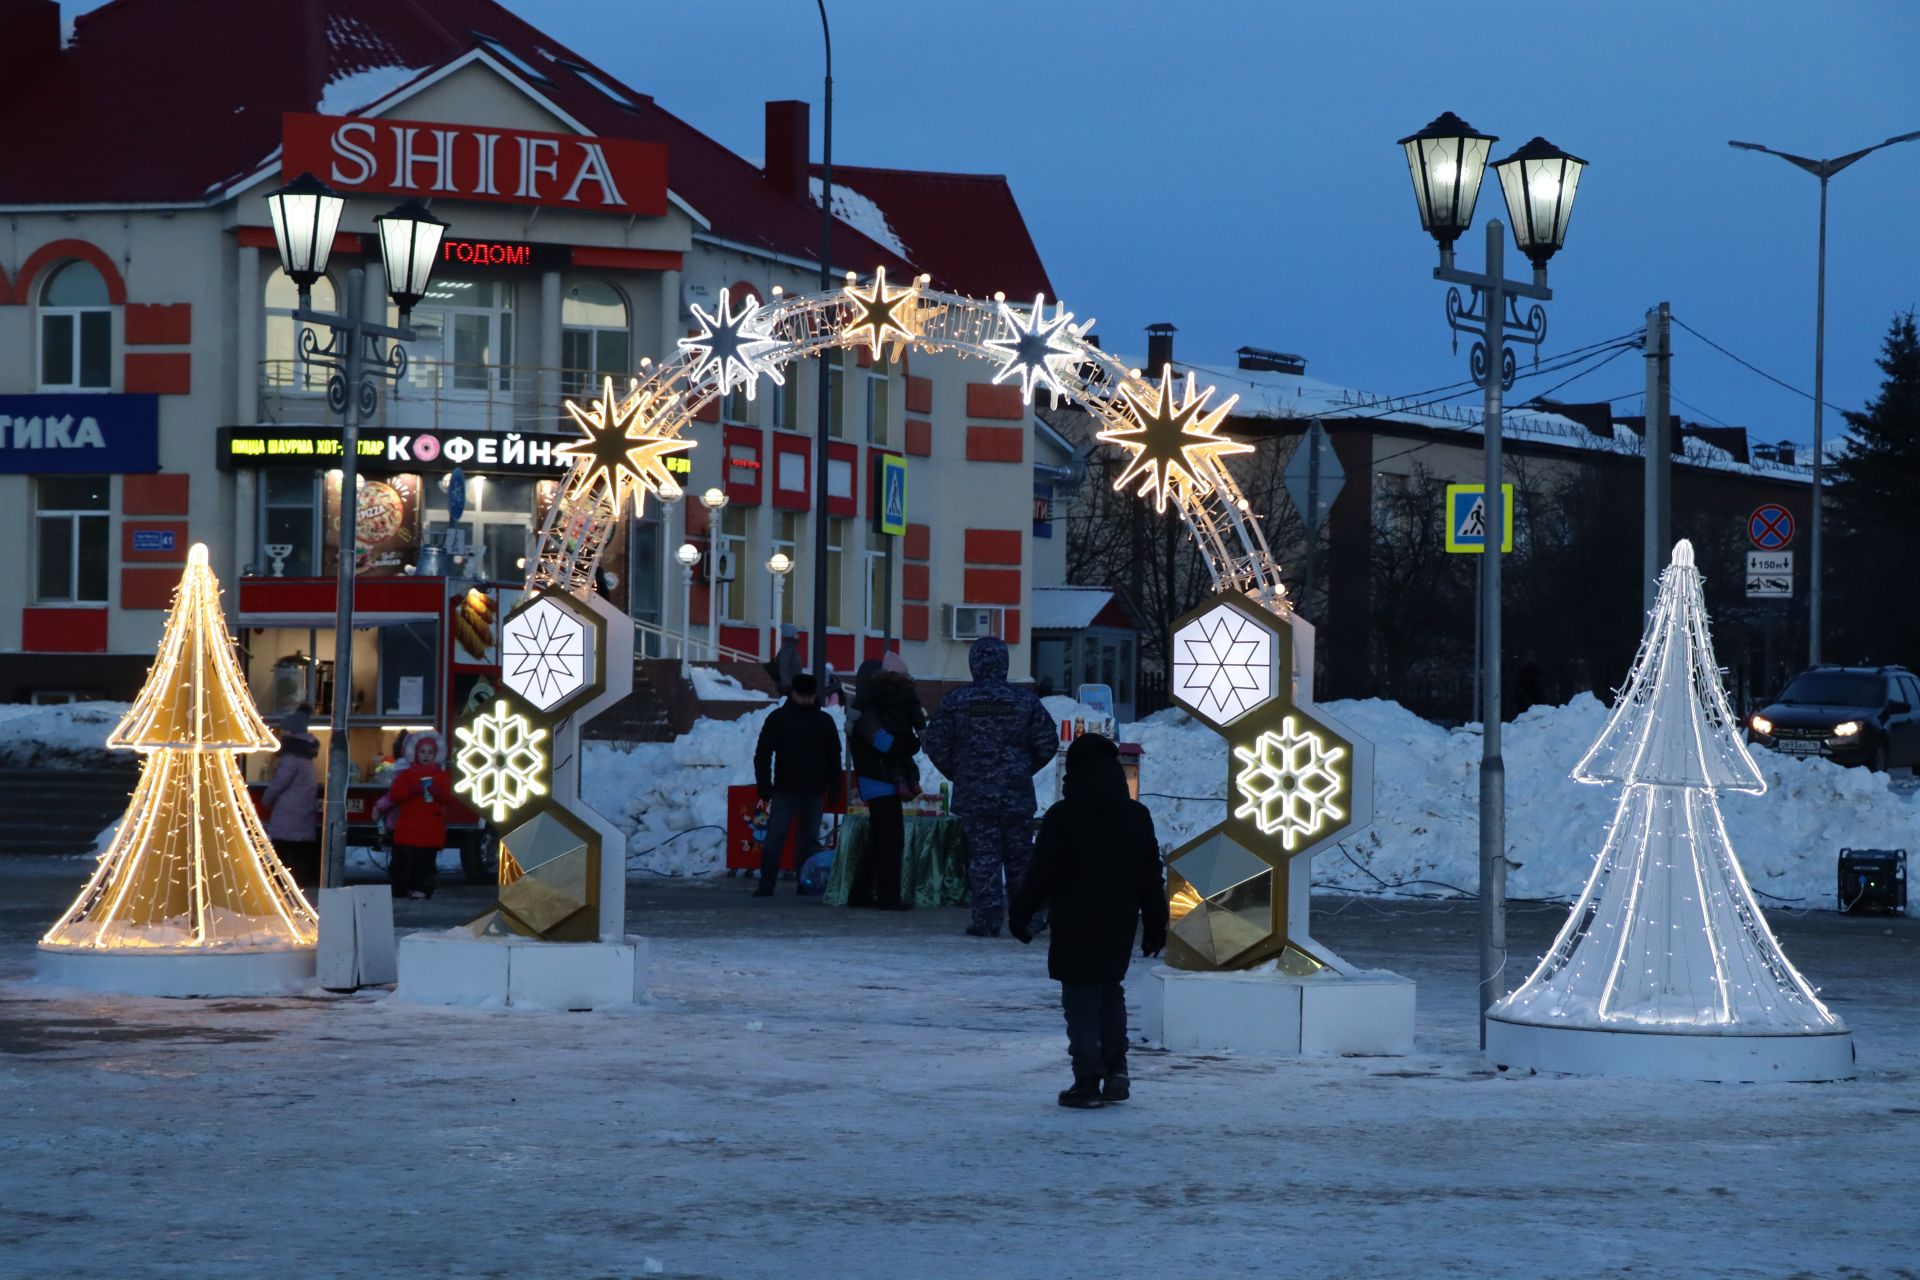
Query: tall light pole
(825, 408)
(1823, 170)
(715, 500)
(306, 215)
(689, 556)
(779, 564)
(1447, 161)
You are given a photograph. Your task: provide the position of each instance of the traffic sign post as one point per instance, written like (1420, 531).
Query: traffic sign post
(1313, 478)
(1770, 527)
(1467, 518)
(1769, 575)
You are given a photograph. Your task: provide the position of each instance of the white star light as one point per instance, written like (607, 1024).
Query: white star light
(543, 654)
(1223, 664)
(1039, 351)
(500, 761)
(732, 347)
(1289, 786)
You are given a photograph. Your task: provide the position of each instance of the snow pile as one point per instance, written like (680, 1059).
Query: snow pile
(1426, 798)
(72, 733)
(716, 686)
(354, 90)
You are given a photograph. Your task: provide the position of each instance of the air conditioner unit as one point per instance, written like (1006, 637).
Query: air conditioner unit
(976, 621)
(723, 567)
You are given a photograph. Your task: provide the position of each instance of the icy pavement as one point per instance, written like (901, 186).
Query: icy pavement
(821, 1093)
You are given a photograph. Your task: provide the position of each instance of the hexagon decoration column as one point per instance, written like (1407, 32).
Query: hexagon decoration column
(1297, 781)
(562, 660)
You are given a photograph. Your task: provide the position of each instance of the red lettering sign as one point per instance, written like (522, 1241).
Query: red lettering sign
(468, 162)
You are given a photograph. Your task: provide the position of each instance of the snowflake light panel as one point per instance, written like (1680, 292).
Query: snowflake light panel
(500, 762)
(545, 654)
(1224, 665)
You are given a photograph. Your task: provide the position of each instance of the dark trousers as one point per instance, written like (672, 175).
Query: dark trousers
(785, 811)
(998, 851)
(301, 858)
(412, 867)
(1096, 1028)
(876, 881)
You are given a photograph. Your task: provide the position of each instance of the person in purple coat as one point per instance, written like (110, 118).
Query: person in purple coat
(292, 799)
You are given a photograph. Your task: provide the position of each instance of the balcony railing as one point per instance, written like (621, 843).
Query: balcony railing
(436, 394)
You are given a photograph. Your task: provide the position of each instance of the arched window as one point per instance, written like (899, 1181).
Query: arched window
(76, 330)
(280, 355)
(595, 337)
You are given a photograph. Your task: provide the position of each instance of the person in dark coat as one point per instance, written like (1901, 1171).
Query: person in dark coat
(989, 739)
(795, 765)
(1096, 869)
(292, 799)
(885, 736)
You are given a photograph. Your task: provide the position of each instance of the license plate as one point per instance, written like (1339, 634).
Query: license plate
(1800, 748)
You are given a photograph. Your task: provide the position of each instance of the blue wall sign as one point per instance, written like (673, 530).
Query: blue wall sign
(153, 539)
(78, 434)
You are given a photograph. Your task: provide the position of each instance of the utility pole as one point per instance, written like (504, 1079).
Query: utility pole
(824, 409)
(1658, 542)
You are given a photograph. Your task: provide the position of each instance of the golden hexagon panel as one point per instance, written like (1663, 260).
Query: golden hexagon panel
(550, 878)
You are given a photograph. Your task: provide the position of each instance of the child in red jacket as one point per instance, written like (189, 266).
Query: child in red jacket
(417, 801)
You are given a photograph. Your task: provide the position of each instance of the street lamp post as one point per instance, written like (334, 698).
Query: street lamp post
(1823, 170)
(779, 564)
(1447, 161)
(824, 406)
(689, 556)
(714, 499)
(306, 215)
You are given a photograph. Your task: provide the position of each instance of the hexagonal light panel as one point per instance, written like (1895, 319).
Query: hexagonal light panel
(1220, 905)
(500, 761)
(1225, 664)
(549, 653)
(1292, 783)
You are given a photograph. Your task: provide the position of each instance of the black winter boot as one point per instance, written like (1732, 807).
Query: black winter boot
(1117, 1088)
(1084, 1096)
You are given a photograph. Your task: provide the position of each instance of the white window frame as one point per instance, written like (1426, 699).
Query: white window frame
(315, 508)
(73, 516)
(45, 312)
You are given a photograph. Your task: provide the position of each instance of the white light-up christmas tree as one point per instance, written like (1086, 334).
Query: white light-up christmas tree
(1665, 966)
(191, 872)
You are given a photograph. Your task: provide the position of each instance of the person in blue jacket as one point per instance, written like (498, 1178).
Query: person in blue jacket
(989, 739)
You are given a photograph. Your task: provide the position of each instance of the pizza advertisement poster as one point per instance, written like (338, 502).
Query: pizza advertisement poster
(388, 528)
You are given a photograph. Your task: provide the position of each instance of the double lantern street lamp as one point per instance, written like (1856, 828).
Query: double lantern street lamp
(1448, 160)
(306, 217)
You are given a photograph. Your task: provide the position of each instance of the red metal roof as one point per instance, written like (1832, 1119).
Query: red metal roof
(168, 101)
(963, 229)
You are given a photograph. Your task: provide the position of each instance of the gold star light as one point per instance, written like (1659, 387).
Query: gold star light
(626, 445)
(885, 316)
(1173, 444)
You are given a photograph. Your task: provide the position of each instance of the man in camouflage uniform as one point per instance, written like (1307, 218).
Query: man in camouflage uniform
(989, 739)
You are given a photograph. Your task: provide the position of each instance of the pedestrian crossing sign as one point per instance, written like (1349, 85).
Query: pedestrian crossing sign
(1467, 517)
(892, 510)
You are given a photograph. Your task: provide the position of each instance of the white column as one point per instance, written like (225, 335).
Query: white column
(248, 320)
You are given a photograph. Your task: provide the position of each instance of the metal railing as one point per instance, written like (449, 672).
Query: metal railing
(697, 644)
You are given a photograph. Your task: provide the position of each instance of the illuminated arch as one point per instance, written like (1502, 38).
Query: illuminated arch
(1167, 431)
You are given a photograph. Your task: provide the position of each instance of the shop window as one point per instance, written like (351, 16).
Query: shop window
(786, 537)
(463, 337)
(736, 597)
(290, 524)
(76, 330)
(70, 535)
(879, 580)
(281, 365)
(596, 340)
(736, 410)
(836, 555)
(497, 522)
(877, 418)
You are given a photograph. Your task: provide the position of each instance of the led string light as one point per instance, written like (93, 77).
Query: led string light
(191, 867)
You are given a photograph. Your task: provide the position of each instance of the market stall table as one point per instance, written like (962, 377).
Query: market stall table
(933, 867)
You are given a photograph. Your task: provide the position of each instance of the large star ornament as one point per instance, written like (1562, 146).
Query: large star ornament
(731, 348)
(1037, 350)
(885, 316)
(1172, 443)
(626, 445)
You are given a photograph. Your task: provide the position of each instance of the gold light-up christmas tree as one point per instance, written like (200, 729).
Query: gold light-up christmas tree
(191, 869)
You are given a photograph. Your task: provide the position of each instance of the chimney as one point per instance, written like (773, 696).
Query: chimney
(29, 41)
(787, 143)
(1159, 348)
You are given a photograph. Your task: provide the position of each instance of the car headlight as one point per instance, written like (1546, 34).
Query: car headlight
(1762, 725)
(1846, 729)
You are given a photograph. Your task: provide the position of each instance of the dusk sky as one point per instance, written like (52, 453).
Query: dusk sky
(1231, 167)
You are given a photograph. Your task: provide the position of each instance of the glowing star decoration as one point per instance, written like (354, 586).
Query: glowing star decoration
(1289, 786)
(1036, 350)
(1223, 664)
(627, 443)
(1172, 441)
(545, 654)
(501, 760)
(885, 316)
(731, 348)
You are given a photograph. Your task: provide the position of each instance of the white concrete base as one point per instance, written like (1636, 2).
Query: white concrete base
(356, 937)
(131, 972)
(1656, 1055)
(457, 968)
(1277, 1014)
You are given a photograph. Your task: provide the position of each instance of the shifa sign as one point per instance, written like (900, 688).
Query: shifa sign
(79, 434)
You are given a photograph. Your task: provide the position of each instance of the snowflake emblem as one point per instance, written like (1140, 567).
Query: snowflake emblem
(500, 760)
(544, 654)
(1289, 786)
(1223, 664)
(732, 347)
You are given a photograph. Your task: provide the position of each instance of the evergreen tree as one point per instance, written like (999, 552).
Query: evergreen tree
(1875, 499)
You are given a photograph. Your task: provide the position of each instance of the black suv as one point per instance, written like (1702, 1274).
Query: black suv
(1850, 715)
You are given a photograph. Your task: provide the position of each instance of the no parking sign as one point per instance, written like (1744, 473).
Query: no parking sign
(1770, 527)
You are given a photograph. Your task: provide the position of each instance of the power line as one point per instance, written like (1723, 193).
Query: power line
(1752, 367)
(1583, 373)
